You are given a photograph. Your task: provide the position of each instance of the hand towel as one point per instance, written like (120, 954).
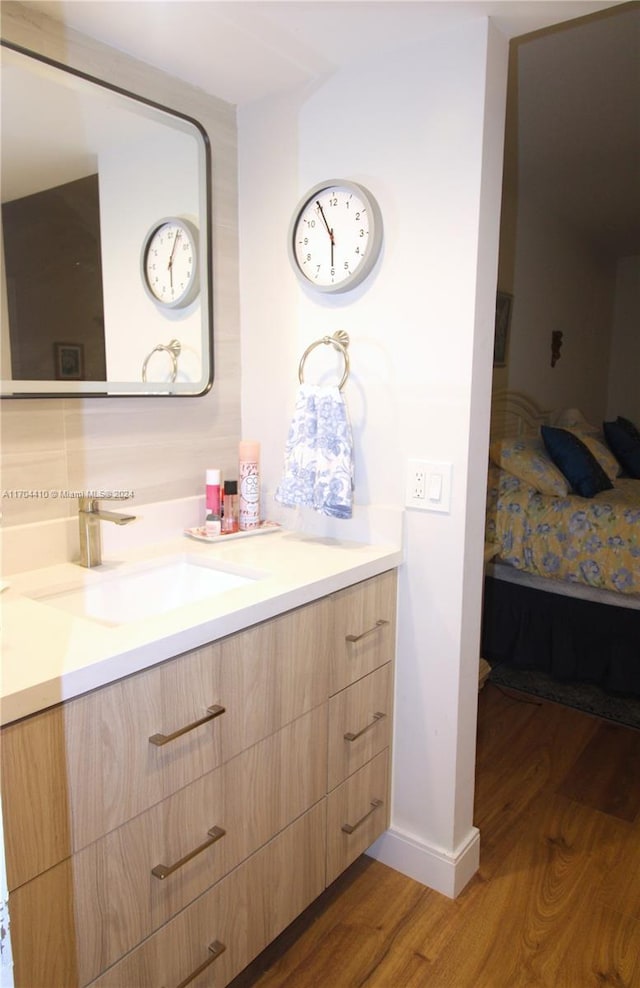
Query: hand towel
(318, 462)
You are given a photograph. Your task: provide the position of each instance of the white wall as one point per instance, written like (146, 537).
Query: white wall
(560, 282)
(141, 184)
(623, 395)
(424, 133)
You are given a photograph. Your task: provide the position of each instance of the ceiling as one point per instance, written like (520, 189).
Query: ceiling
(242, 50)
(578, 118)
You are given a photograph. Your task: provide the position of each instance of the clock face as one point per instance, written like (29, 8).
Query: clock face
(170, 263)
(335, 236)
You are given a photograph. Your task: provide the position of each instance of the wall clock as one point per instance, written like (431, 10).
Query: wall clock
(169, 262)
(335, 236)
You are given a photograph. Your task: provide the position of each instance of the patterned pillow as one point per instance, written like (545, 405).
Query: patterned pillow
(625, 446)
(575, 460)
(599, 451)
(525, 457)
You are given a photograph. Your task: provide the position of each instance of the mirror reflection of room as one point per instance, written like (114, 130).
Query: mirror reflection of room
(86, 173)
(54, 282)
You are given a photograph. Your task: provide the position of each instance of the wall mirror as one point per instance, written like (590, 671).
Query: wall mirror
(106, 239)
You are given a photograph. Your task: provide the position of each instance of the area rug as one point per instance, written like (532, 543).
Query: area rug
(583, 696)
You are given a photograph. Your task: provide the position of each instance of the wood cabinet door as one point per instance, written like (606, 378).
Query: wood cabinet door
(364, 622)
(357, 813)
(35, 800)
(360, 720)
(46, 954)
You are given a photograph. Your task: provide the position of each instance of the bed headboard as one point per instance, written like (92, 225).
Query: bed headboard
(516, 414)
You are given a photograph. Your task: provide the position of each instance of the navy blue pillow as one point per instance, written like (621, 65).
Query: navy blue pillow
(624, 446)
(575, 461)
(628, 427)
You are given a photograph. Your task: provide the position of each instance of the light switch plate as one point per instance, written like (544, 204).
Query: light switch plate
(428, 485)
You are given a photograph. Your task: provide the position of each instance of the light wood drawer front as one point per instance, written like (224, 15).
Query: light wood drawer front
(275, 672)
(359, 724)
(114, 771)
(364, 623)
(33, 769)
(244, 912)
(250, 798)
(103, 901)
(357, 813)
(43, 931)
(263, 678)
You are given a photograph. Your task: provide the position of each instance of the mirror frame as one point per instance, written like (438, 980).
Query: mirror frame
(116, 389)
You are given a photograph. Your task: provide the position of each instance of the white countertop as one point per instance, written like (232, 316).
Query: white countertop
(49, 656)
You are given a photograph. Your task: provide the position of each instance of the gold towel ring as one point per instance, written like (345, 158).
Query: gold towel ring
(173, 349)
(340, 341)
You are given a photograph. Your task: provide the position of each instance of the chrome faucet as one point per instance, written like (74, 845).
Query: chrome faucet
(89, 517)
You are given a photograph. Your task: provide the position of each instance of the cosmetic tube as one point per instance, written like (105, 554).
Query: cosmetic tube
(249, 485)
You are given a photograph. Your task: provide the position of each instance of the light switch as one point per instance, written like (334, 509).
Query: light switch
(435, 487)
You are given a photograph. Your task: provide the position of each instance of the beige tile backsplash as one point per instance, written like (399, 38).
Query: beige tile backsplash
(157, 447)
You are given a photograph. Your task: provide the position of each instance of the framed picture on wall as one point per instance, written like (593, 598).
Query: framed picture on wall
(69, 361)
(501, 334)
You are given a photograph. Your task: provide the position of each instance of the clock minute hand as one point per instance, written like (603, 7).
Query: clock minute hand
(170, 262)
(173, 249)
(324, 218)
(329, 230)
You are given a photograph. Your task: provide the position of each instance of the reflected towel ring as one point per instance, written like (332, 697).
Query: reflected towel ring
(340, 341)
(173, 349)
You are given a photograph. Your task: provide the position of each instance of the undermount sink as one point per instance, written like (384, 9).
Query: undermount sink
(143, 592)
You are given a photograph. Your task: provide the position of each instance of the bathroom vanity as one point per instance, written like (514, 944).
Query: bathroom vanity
(163, 825)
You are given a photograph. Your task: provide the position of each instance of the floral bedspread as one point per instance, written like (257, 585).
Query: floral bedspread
(592, 541)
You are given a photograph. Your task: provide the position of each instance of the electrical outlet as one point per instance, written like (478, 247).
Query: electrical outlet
(418, 480)
(416, 483)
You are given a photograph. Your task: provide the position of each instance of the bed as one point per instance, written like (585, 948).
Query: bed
(562, 590)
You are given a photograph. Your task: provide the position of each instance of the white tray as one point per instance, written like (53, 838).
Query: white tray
(199, 533)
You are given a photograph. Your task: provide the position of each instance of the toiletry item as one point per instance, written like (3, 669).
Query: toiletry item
(212, 525)
(249, 484)
(212, 499)
(230, 515)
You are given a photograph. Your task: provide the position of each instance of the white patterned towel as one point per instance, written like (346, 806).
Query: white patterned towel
(318, 461)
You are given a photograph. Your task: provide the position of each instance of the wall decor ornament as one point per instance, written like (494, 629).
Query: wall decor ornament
(504, 303)
(69, 361)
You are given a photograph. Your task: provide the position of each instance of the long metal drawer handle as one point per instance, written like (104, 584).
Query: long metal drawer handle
(163, 871)
(376, 717)
(216, 949)
(160, 739)
(349, 828)
(357, 638)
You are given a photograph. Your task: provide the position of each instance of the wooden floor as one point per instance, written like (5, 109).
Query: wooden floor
(556, 902)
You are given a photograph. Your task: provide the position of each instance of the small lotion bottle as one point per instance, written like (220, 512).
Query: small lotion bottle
(212, 525)
(249, 485)
(230, 516)
(212, 499)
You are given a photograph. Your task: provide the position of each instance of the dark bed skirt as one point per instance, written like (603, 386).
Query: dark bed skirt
(570, 639)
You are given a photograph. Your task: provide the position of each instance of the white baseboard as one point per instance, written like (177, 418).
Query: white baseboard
(430, 865)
